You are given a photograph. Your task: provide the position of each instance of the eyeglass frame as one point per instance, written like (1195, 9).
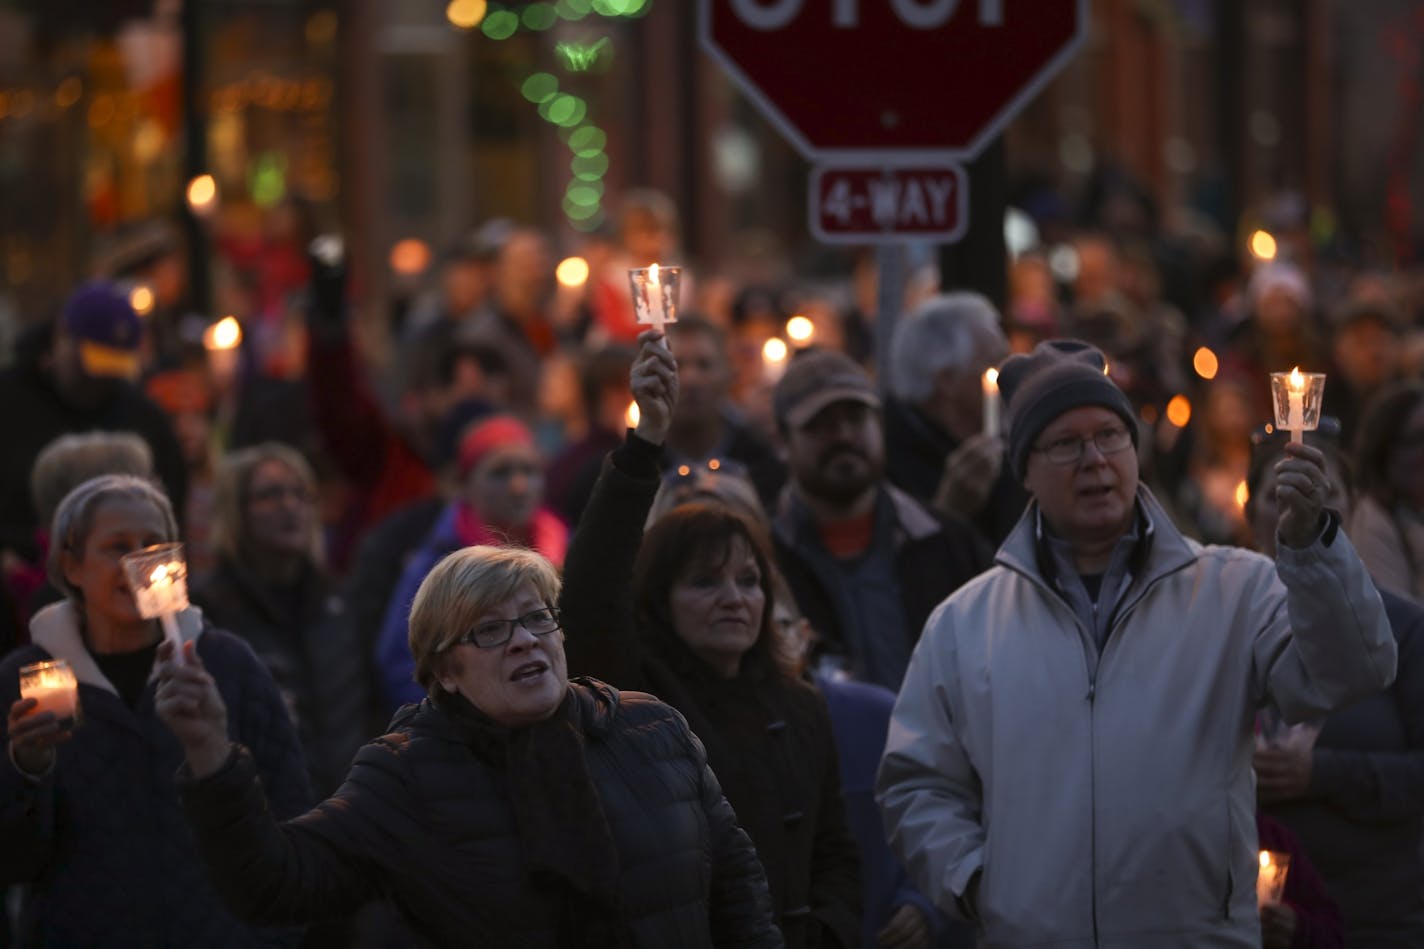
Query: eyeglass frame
(1080, 443)
(467, 638)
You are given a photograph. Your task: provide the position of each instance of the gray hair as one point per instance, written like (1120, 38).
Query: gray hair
(75, 518)
(70, 460)
(947, 331)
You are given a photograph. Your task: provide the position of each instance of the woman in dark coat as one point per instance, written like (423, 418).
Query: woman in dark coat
(89, 817)
(690, 621)
(271, 588)
(1355, 796)
(510, 808)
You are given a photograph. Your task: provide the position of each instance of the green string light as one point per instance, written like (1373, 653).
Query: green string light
(589, 167)
(540, 87)
(500, 25)
(568, 113)
(540, 16)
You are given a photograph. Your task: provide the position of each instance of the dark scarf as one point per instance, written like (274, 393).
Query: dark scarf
(567, 844)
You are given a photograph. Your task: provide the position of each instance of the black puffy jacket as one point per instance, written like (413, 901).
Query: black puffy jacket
(427, 821)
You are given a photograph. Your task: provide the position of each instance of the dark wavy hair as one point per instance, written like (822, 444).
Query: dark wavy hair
(693, 534)
(1374, 439)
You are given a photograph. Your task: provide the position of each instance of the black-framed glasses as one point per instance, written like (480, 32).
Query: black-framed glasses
(497, 632)
(1069, 449)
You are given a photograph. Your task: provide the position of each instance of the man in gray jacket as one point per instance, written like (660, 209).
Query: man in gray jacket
(1069, 760)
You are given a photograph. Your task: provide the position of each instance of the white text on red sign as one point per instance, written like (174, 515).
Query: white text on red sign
(905, 202)
(845, 14)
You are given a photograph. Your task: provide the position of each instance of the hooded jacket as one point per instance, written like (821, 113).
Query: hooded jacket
(1107, 798)
(101, 838)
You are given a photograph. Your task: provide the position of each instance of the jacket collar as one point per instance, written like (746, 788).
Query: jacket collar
(55, 629)
(593, 705)
(1166, 549)
(912, 521)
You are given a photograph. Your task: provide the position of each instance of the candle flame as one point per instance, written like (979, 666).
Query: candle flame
(226, 333)
(1297, 381)
(159, 573)
(800, 329)
(632, 415)
(653, 275)
(1265, 858)
(991, 376)
(1243, 494)
(774, 350)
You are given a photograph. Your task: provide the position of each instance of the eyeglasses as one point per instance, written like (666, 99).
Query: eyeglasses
(1069, 449)
(690, 472)
(497, 632)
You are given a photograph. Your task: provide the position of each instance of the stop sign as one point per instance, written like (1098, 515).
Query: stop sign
(860, 78)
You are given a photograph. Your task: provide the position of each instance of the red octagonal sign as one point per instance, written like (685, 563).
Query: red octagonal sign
(852, 79)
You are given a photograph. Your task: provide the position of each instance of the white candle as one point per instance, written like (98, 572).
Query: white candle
(1271, 879)
(53, 687)
(773, 360)
(990, 384)
(1295, 418)
(655, 300)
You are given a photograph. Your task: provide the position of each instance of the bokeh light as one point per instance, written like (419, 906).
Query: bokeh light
(1205, 363)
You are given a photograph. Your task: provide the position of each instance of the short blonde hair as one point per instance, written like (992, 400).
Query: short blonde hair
(230, 488)
(460, 589)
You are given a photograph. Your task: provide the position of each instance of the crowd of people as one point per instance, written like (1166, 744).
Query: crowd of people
(552, 629)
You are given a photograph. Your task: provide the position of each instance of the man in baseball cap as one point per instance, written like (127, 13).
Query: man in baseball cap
(100, 324)
(866, 561)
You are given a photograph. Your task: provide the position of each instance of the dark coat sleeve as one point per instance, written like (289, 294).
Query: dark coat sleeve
(1384, 785)
(319, 865)
(600, 630)
(257, 718)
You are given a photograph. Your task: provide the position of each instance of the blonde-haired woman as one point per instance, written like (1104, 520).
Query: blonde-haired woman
(510, 807)
(270, 587)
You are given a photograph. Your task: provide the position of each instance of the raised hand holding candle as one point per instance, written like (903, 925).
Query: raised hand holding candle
(992, 403)
(158, 577)
(1297, 397)
(53, 686)
(655, 295)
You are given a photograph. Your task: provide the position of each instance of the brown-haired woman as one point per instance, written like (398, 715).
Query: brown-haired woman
(685, 613)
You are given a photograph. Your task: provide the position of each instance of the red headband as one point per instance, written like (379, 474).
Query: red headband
(484, 437)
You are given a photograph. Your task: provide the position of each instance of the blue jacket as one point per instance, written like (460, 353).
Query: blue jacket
(101, 839)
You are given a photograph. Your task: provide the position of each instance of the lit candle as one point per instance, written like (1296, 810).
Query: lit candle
(158, 577)
(655, 292)
(221, 341)
(53, 687)
(1271, 879)
(773, 360)
(1295, 419)
(655, 300)
(990, 383)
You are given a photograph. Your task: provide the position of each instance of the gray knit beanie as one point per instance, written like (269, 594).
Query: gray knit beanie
(1060, 374)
